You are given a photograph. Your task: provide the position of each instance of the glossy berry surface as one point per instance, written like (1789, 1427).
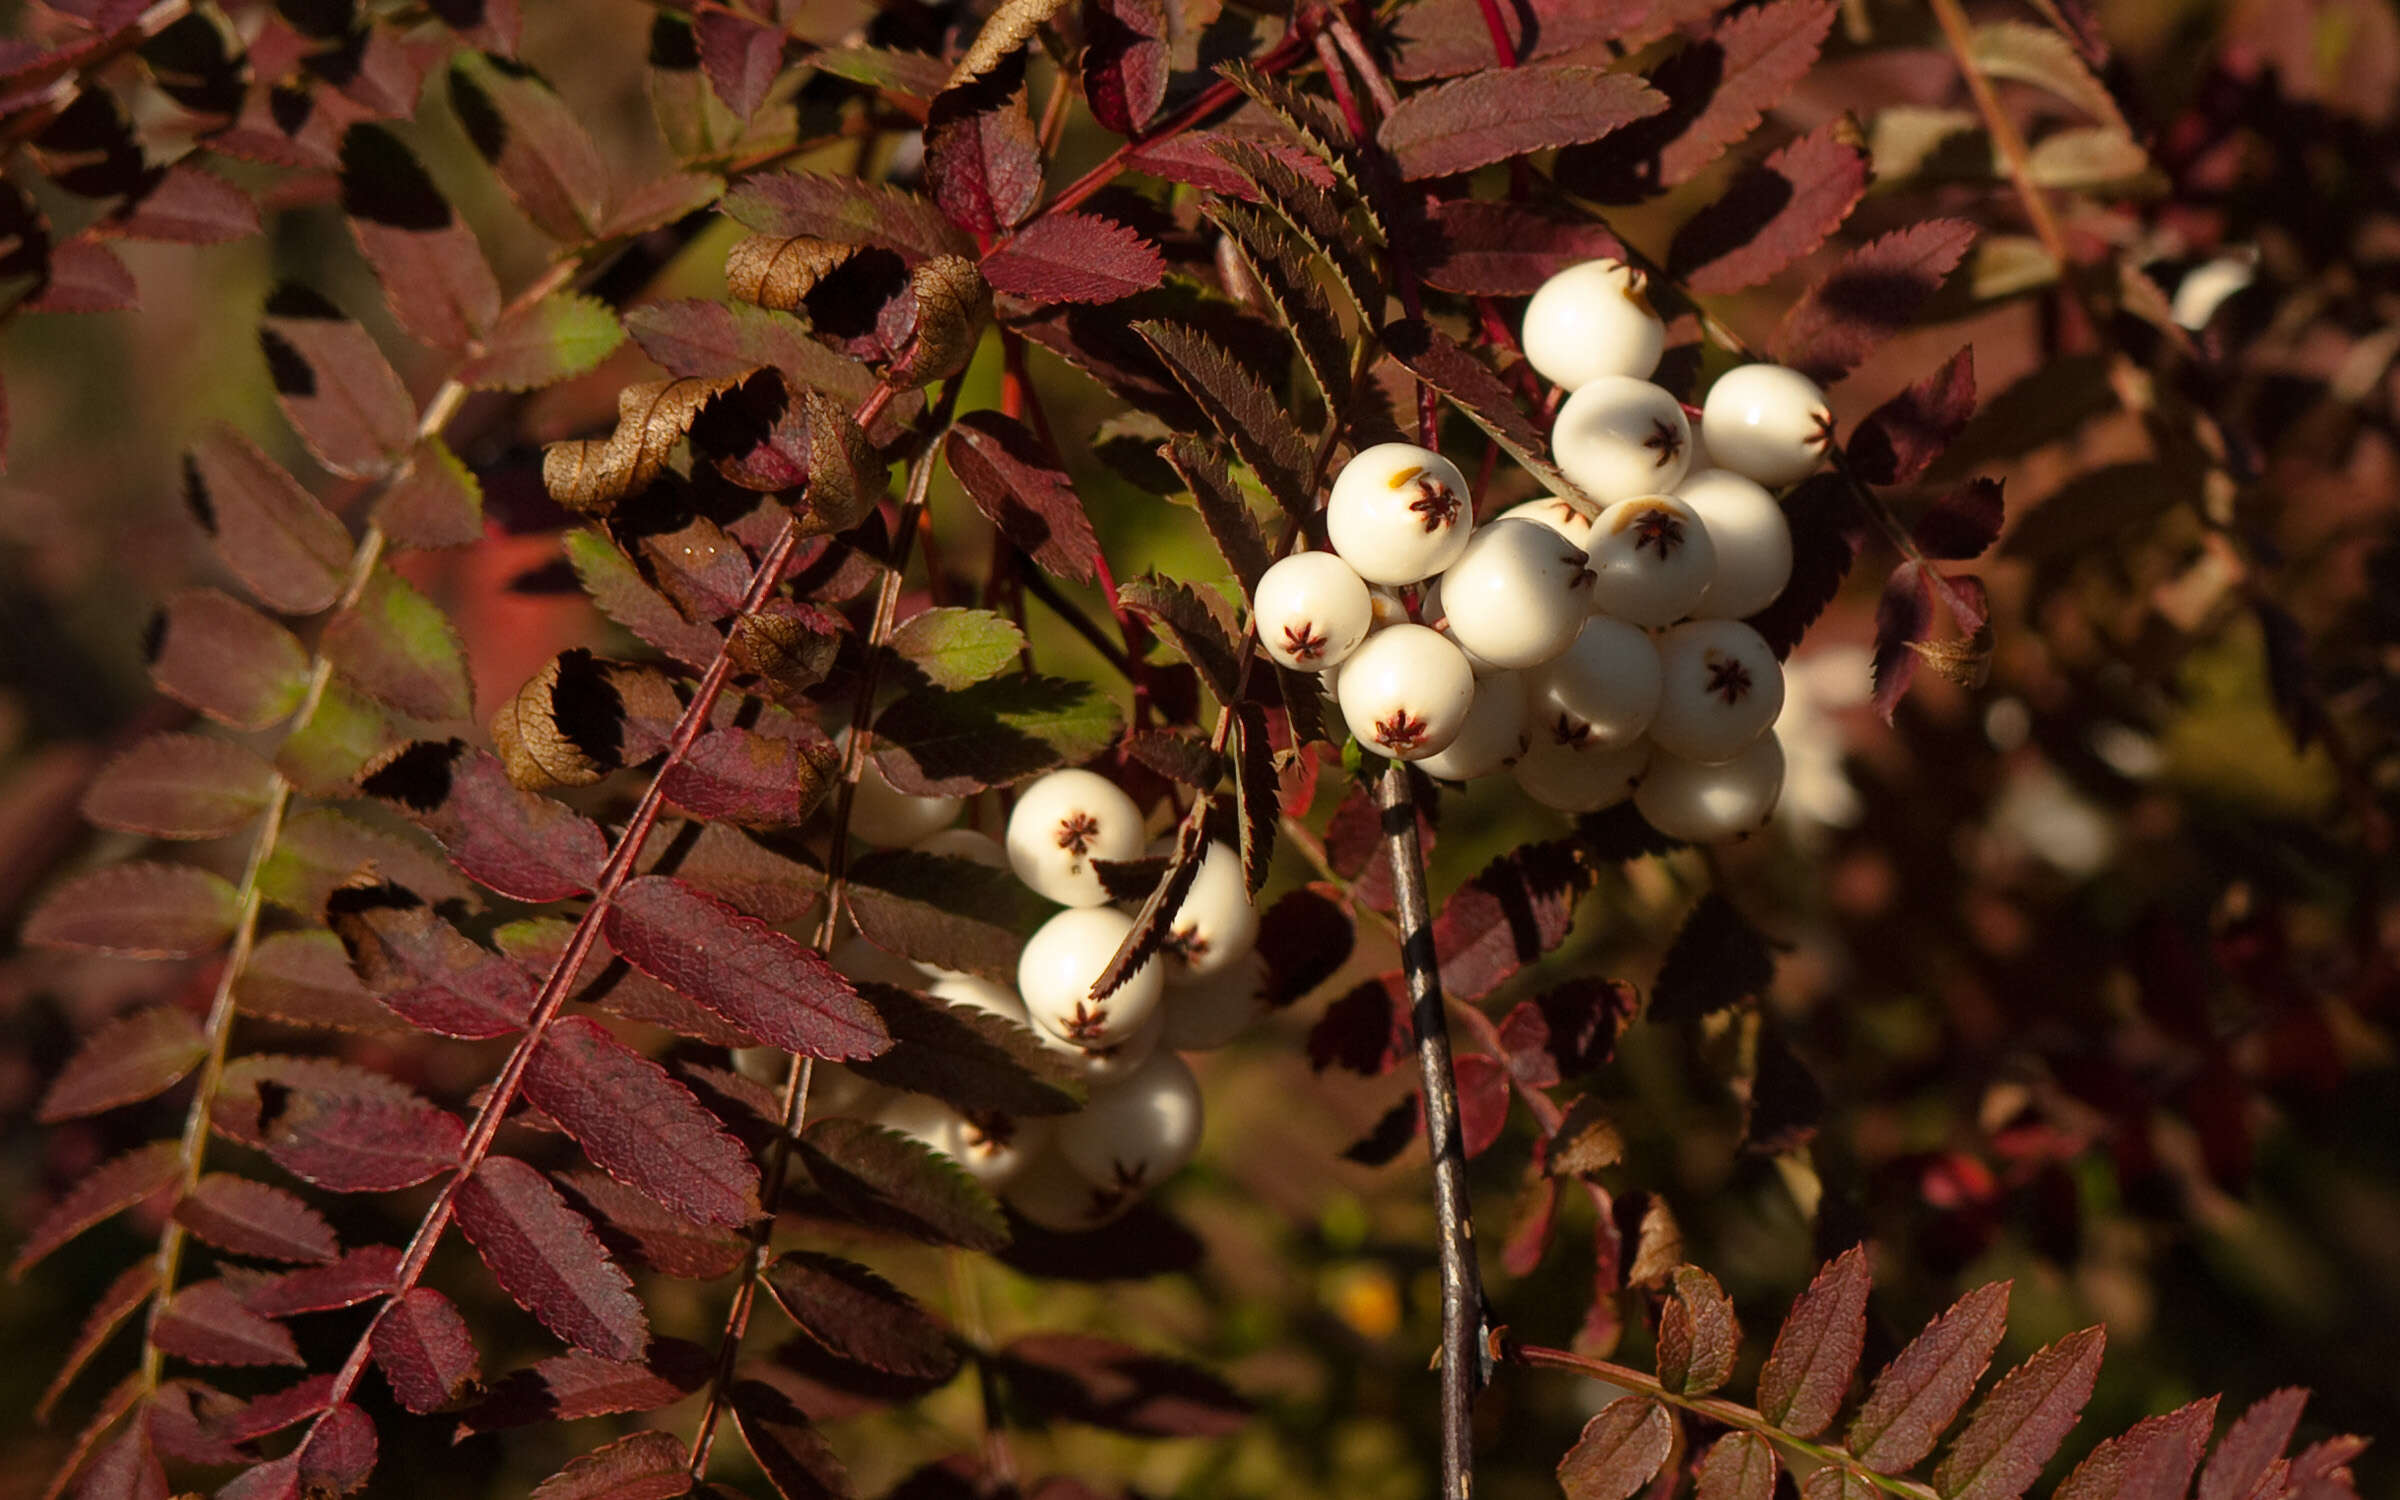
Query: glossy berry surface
(1517, 594)
(1561, 515)
(883, 815)
(1062, 822)
(1619, 437)
(1752, 540)
(1574, 774)
(1311, 610)
(1591, 320)
(1767, 423)
(1139, 1131)
(1493, 735)
(1204, 1014)
(1406, 692)
(1720, 689)
(1706, 804)
(1399, 513)
(1652, 560)
(1603, 689)
(1056, 971)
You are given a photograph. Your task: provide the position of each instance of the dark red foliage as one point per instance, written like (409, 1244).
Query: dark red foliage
(545, 1255)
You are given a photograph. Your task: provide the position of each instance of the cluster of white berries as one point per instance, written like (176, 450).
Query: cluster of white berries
(1204, 987)
(1598, 658)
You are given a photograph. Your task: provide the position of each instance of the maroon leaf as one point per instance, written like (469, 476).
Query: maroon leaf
(1923, 1387)
(943, 743)
(1718, 88)
(634, 1224)
(545, 1256)
(336, 388)
(1516, 909)
(2152, 1461)
(321, 851)
(968, 1057)
(1717, 960)
(647, 1465)
(187, 205)
(179, 786)
(1493, 249)
(1903, 617)
(981, 159)
(1827, 531)
(107, 1313)
(208, 1325)
(1367, 1030)
(739, 56)
(949, 912)
(362, 1144)
(272, 1412)
(575, 1385)
(1772, 214)
(1492, 116)
(1437, 38)
(1073, 257)
(101, 1193)
(1903, 437)
(639, 1125)
(426, 970)
(278, 1479)
(1698, 1336)
(1483, 1096)
(436, 501)
(1254, 423)
(127, 1469)
(361, 1276)
(1808, 1371)
(1022, 488)
(1305, 939)
(1962, 524)
(220, 656)
(751, 780)
(2021, 1423)
(250, 1218)
(137, 910)
(773, 988)
(534, 143)
(846, 210)
(133, 1057)
(85, 277)
(1619, 1451)
(522, 845)
(1223, 509)
(1469, 384)
(338, 1454)
(1567, 1031)
(1872, 295)
(2252, 1446)
(425, 1350)
(1079, 1377)
(1198, 157)
(891, 1181)
(1125, 61)
(1739, 1466)
(856, 1315)
(793, 1454)
(434, 277)
(1195, 622)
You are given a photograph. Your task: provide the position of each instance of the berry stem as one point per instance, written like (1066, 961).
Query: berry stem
(1466, 1355)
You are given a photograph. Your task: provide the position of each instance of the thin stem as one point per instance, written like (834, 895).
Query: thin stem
(1727, 1413)
(1502, 47)
(1466, 1355)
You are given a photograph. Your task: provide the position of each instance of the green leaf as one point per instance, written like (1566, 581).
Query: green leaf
(563, 335)
(325, 751)
(609, 576)
(957, 648)
(397, 645)
(936, 743)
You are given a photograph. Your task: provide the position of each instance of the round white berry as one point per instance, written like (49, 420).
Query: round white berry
(992, 1148)
(1216, 926)
(1049, 1193)
(1056, 971)
(1204, 1014)
(1720, 689)
(1493, 735)
(1574, 774)
(1703, 804)
(1591, 320)
(1603, 690)
(1767, 423)
(981, 994)
(1406, 692)
(1618, 437)
(1652, 560)
(1558, 513)
(1399, 513)
(1109, 1061)
(1517, 595)
(1431, 609)
(1752, 539)
(889, 818)
(965, 843)
(1311, 610)
(1136, 1133)
(1064, 821)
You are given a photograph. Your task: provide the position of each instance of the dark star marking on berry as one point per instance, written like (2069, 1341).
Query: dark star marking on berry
(1581, 577)
(1304, 642)
(1658, 527)
(1076, 831)
(1086, 1024)
(1187, 943)
(1820, 430)
(1401, 729)
(1664, 440)
(1727, 678)
(1436, 503)
(990, 1131)
(1570, 731)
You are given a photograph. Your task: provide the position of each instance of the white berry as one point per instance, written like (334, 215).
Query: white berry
(1204, 1014)
(1752, 539)
(1561, 515)
(1618, 436)
(994, 1149)
(965, 843)
(1399, 513)
(1767, 423)
(1138, 1132)
(1109, 1061)
(1049, 1193)
(1063, 822)
(1061, 961)
(889, 818)
(1216, 926)
(1603, 689)
(1575, 774)
(1517, 595)
(1311, 610)
(1494, 733)
(1704, 804)
(1591, 320)
(1406, 692)
(1720, 689)
(1652, 560)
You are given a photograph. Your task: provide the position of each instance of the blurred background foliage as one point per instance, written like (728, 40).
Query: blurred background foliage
(2093, 966)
